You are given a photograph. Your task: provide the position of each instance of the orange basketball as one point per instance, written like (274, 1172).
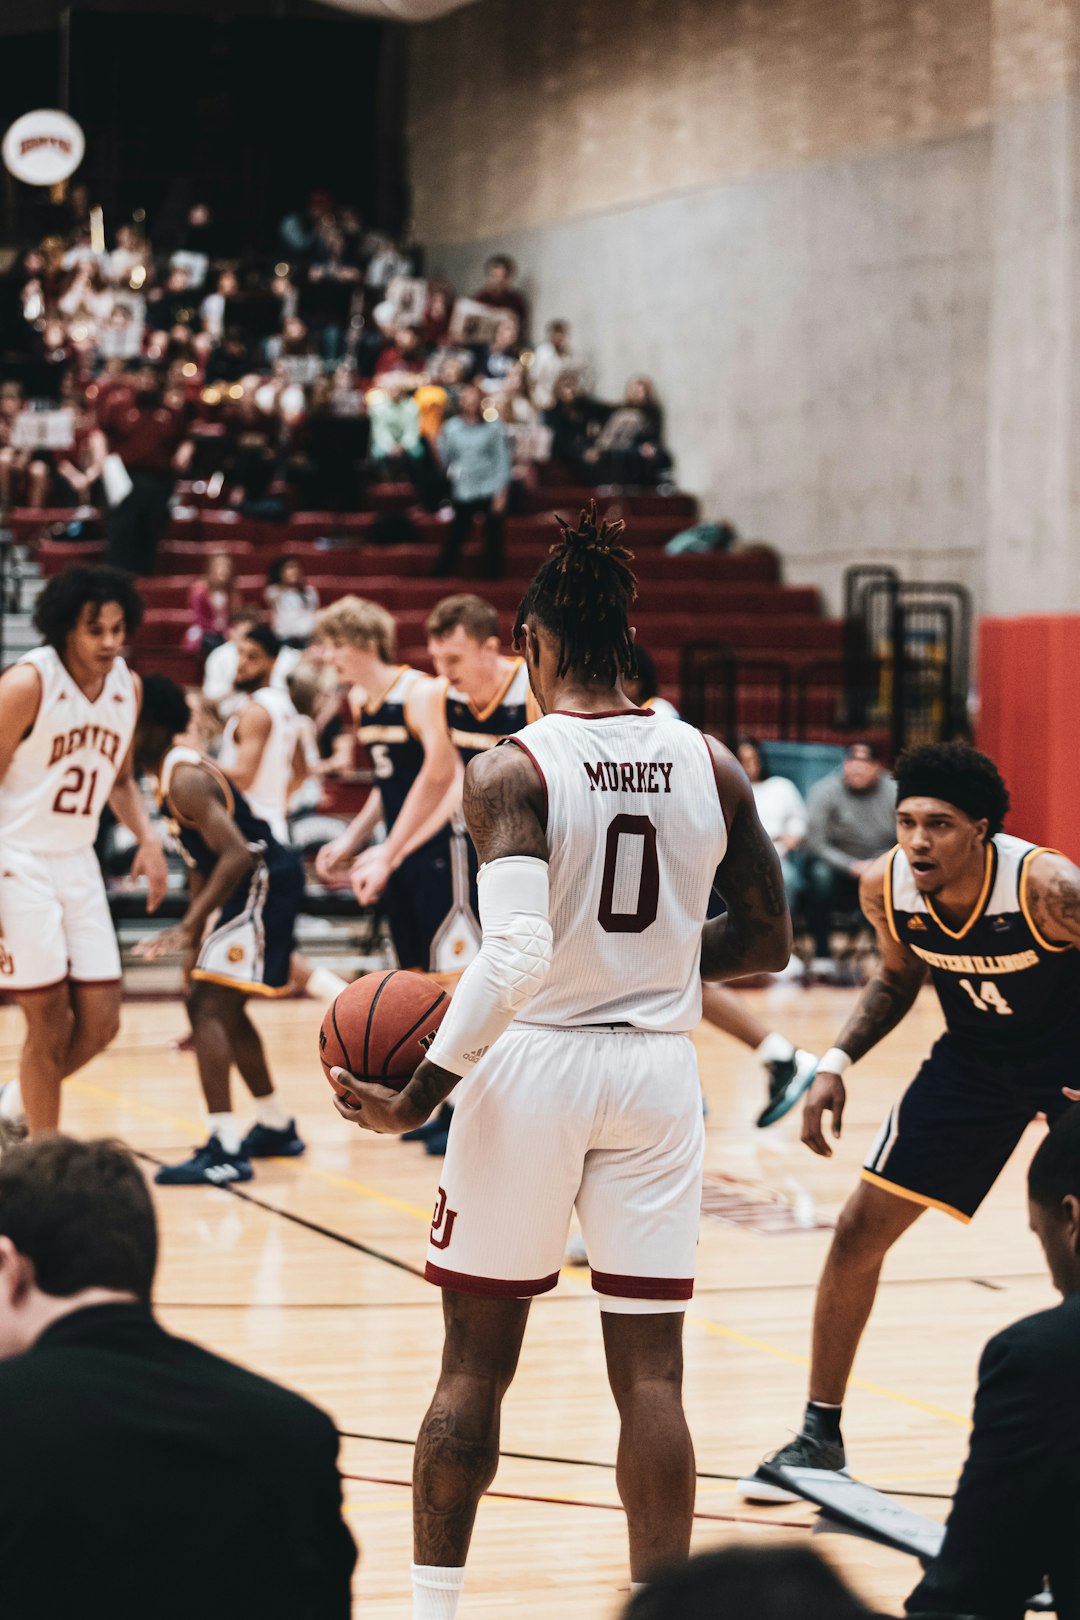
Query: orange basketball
(380, 1027)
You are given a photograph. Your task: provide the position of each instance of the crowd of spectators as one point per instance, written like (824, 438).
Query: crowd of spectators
(294, 379)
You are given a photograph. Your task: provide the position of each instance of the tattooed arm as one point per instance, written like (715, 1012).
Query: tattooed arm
(754, 934)
(506, 814)
(1053, 896)
(889, 995)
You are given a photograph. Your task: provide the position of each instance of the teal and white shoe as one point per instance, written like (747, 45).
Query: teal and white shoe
(789, 1080)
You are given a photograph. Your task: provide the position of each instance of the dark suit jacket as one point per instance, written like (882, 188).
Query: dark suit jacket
(144, 1477)
(1016, 1516)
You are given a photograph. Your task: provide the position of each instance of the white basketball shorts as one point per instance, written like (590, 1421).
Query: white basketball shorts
(607, 1121)
(54, 917)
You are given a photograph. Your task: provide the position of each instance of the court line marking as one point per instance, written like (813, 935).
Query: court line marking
(727, 1480)
(714, 1329)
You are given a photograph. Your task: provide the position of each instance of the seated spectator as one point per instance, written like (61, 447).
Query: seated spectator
(1015, 1519)
(24, 476)
(385, 263)
(475, 454)
(175, 304)
(437, 314)
(230, 361)
(748, 1583)
(499, 292)
(76, 471)
(574, 420)
(149, 432)
(292, 602)
(495, 363)
(87, 301)
(551, 359)
(405, 353)
(851, 820)
(529, 439)
(212, 308)
(628, 449)
(781, 811)
(141, 1426)
(395, 426)
(212, 603)
(129, 253)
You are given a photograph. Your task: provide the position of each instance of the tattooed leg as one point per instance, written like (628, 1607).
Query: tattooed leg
(457, 1452)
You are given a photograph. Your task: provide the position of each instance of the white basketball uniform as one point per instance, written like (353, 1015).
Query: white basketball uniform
(53, 910)
(268, 794)
(591, 1097)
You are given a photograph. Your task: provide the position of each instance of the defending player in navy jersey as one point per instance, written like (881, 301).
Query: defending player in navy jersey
(400, 720)
(239, 870)
(996, 923)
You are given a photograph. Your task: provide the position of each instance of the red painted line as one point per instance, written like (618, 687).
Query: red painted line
(575, 1501)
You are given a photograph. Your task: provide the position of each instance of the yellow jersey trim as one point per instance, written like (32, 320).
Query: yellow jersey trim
(486, 713)
(368, 707)
(914, 1197)
(980, 904)
(248, 985)
(890, 917)
(1025, 905)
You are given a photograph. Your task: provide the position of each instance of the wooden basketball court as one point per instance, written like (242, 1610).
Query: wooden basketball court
(311, 1274)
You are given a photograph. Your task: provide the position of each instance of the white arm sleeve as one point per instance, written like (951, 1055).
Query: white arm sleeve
(512, 964)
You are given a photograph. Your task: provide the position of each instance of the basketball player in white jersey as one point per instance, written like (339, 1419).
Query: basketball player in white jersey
(67, 718)
(263, 753)
(601, 829)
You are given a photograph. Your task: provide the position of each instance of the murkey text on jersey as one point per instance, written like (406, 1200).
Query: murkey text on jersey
(629, 776)
(98, 738)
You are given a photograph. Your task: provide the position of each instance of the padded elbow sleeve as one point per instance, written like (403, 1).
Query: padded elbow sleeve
(513, 962)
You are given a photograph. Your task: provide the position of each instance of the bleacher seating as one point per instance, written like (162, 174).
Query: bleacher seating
(734, 598)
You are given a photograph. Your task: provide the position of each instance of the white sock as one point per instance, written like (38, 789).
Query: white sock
(637, 1586)
(436, 1589)
(324, 985)
(11, 1103)
(775, 1049)
(270, 1112)
(227, 1131)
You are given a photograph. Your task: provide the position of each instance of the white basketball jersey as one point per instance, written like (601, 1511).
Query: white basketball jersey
(268, 794)
(61, 775)
(635, 832)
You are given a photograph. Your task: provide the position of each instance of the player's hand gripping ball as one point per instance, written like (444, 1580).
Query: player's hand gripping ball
(381, 1027)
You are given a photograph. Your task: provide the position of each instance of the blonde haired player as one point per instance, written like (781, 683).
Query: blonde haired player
(67, 717)
(601, 829)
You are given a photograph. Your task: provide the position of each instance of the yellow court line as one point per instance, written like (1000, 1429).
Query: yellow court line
(715, 1329)
(718, 1330)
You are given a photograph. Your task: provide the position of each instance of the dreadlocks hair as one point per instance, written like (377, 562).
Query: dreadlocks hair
(582, 594)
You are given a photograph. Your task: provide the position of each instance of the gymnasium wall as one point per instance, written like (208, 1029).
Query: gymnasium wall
(836, 232)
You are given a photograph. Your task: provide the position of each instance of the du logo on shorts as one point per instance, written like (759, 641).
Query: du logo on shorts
(442, 1222)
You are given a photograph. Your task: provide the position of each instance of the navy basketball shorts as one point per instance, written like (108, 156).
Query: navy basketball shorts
(431, 909)
(251, 946)
(949, 1137)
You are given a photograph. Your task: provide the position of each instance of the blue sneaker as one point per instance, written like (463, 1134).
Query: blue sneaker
(438, 1125)
(209, 1166)
(264, 1142)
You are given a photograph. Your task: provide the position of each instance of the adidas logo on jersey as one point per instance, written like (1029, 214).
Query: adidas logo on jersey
(476, 1055)
(916, 923)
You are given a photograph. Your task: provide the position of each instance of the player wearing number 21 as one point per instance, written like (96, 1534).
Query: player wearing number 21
(67, 718)
(600, 829)
(996, 921)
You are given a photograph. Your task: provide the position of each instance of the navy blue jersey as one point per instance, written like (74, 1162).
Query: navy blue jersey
(1007, 993)
(252, 828)
(386, 731)
(473, 731)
